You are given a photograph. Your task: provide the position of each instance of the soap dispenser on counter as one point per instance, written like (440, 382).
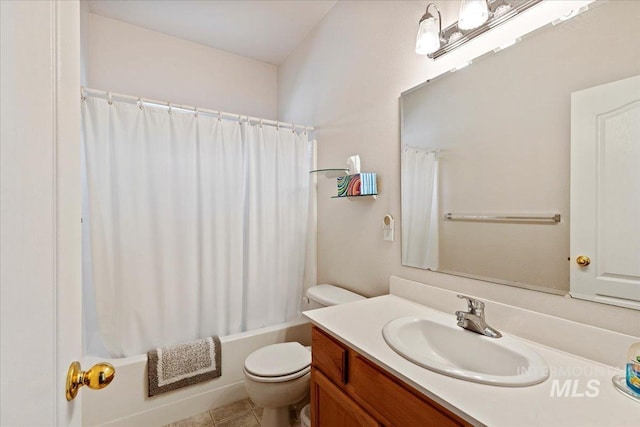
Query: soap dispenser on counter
(629, 384)
(633, 368)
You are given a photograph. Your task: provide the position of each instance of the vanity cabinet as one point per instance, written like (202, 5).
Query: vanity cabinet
(332, 407)
(348, 390)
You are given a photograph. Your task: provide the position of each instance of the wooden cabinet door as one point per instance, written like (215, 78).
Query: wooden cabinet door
(392, 401)
(329, 356)
(330, 407)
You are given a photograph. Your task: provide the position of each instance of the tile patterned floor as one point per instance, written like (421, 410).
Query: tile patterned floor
(243, 413)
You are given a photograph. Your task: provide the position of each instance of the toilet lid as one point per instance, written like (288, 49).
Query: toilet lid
(277, 360)
(329, 295)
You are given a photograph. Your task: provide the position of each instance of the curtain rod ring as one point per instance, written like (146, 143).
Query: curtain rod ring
(197, 111)
(170, 108)
(109, 98)
(293, 128)
(140, 103)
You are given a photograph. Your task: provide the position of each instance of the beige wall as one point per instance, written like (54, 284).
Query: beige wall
(132, 60)
(346, 79)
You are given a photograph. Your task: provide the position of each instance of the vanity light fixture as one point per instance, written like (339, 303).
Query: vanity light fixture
(473, 13)
(476, 17)
(429, 36)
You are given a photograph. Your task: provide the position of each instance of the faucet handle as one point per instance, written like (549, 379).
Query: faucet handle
(475, 305)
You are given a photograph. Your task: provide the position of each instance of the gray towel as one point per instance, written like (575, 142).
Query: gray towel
(181, 365)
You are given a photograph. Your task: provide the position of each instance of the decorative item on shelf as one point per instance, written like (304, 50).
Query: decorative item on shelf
(475, 18)
(343, 183)
(369, 183)
(359, 184)
(353, 164)
(355, 184)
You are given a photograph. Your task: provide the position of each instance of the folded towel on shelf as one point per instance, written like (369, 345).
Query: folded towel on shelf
(181, 365)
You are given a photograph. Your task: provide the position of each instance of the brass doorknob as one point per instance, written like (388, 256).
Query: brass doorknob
(97, 377)
(583, 261)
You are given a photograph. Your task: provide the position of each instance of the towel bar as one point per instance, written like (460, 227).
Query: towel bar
(504, 218)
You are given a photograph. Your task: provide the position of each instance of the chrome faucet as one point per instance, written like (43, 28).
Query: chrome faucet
(473, 320)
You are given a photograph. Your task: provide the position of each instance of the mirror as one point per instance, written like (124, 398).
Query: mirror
(491, 145)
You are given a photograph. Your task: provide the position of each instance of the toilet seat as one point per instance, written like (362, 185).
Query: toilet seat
(278, 362)
(281, 379)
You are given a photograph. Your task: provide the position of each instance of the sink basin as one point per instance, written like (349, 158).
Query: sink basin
(442, 346)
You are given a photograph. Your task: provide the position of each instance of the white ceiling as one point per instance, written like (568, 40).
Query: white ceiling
(261, 29)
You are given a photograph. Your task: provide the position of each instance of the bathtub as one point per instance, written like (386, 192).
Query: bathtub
(125, 403)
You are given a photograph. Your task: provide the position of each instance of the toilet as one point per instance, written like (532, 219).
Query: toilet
(277, 376)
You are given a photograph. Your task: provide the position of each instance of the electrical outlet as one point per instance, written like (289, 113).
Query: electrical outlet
(388, 228)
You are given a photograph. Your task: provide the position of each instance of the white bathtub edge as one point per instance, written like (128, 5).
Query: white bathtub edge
(184, 408)
(125, 401)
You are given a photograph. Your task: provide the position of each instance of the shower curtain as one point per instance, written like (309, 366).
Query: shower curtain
(195, 226)
(419, 208)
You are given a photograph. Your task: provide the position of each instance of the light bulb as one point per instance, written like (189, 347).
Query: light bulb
(473, 13)
(428, 38)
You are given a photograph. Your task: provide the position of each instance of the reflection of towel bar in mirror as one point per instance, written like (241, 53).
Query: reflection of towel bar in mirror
(504, 218)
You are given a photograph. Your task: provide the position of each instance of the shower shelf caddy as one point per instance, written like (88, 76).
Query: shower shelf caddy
(331, 173)
(360, 196)
(338, 172)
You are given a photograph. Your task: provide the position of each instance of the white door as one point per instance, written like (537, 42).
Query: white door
(40, 295)
(605, 193)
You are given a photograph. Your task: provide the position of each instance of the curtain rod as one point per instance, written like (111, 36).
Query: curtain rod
(84, 92)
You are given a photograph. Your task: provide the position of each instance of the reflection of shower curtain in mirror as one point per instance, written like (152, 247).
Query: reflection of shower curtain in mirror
(419, 208)
(197, 226)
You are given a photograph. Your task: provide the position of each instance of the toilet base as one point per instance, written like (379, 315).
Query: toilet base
(275, 417)
(277, 397)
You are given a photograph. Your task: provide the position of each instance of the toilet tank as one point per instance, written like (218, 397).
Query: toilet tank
(327, 295)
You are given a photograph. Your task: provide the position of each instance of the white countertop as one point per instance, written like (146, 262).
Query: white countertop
(359, 325)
